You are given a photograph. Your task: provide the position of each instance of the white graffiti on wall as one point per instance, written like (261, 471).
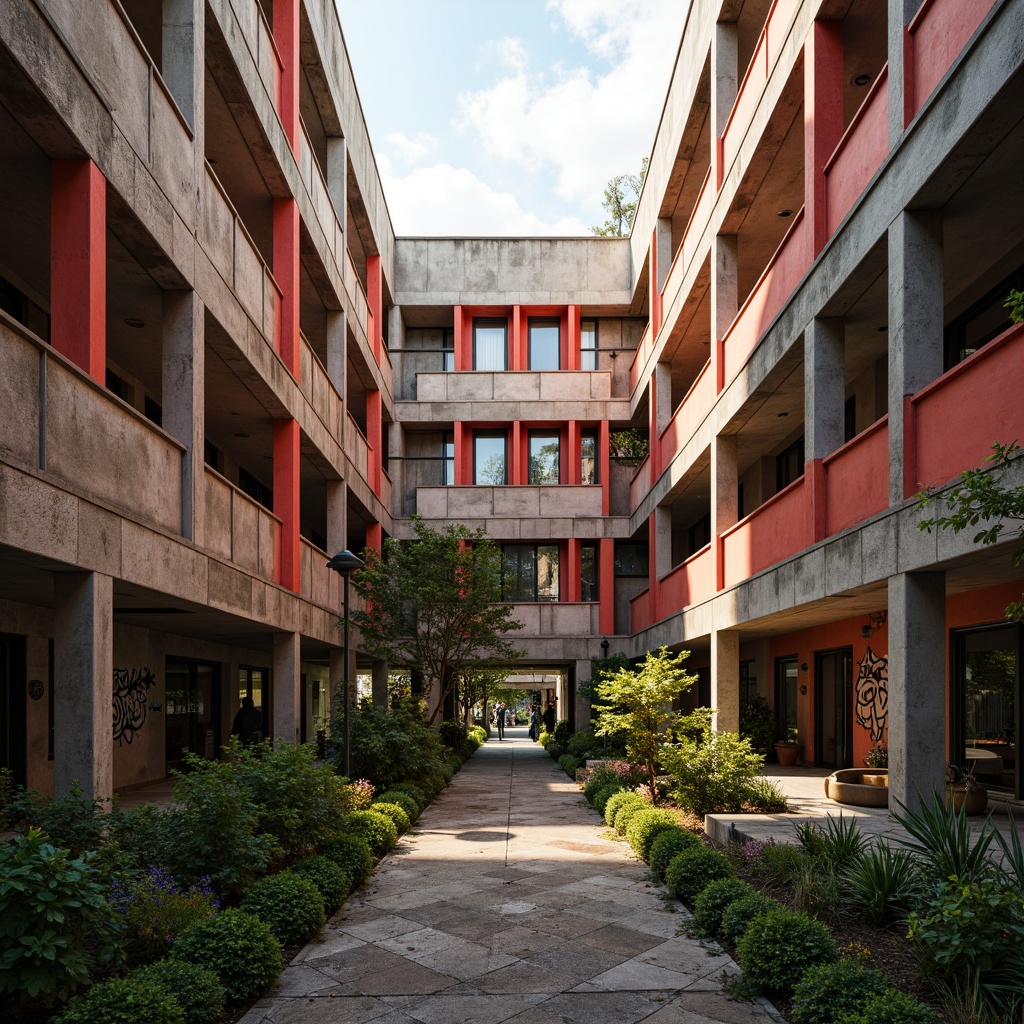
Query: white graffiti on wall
(131, 689)
(873, 694)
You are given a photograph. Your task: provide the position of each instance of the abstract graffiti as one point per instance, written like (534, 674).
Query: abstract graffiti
(131, 686)
(873, 694)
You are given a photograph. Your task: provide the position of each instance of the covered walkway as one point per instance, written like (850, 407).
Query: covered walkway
(507, 903)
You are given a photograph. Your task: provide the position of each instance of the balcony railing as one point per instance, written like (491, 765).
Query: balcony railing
(356, 446)
(517, 502)
(316, 184)
(690, 582)
(640, 484)
(640, 612)
(238, 528)
(318, 388)
(318, 584)
(689, 415)
(857, 478)
(557, 619)
(640, 358)
(687, 250)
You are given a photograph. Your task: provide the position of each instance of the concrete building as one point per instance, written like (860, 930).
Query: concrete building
(220, 365)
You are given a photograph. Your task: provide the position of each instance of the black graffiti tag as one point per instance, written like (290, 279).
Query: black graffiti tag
(131, 688)
(873, 694)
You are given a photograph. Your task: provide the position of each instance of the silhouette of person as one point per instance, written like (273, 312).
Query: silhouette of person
(248, 723)
(500, 716)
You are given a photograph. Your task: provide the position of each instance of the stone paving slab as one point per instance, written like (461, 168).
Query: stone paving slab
(508, 902)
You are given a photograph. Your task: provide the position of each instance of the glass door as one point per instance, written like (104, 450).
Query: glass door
(13, 706)
(833, 692)
(191, 711)
(786, 673)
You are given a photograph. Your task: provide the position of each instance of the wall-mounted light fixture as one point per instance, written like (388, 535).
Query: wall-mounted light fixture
(875, 622)
(605, 644)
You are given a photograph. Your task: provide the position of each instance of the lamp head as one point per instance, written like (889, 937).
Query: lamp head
(345, 562)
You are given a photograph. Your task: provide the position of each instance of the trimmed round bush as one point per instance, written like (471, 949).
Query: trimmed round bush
(780, 946)
(238, 947)
(624, 815)
(601, 797)
(689, 873)
(290, 904)
(123, 1001)
(568, 764)
(715, 900)
(395, 812)
(891, 1007)
(615, 801)
(197, 990)
(406, 802)
(376, 828)
(666, 845)
(741, 912)
(828, 991)
(352, 854)
(412, 790)
(645, 826)
(332, 881)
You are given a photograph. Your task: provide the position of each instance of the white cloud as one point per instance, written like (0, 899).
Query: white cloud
(581, 125)
(446, 200)
(415, 148)
(511, 53)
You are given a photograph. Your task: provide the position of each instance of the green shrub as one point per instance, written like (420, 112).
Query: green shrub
(766, 797)
(479, 733)
(332, 881)
(781, 864)
(568, 764)
(395, 812)
(757, 723)
(562, 734)
(583, 745)
(690, 872)
(72, 822)
(884, 884)
(624, 815)
(123, 1001)
(818, 892)
(238, 947)
(600, 799)
(645, 826)
(290, 904)
(715, 900)
(839, 844)
(738, 915)
(779, 946)
(390, 744)
(195, 989)
(620, 772)
(828, 991)
(665, 847)
(891, 1007)
(617, 800)
(352, 854)
(472, 745)
(453, 736)
(377, 829)
(406, 802)
(53, 911)
(711, 772)
(412, 790)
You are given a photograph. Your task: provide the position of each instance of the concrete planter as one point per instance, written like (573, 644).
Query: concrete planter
(859, 787)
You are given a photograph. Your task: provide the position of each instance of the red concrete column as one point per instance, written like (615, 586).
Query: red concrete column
(78, 264)
(654, 451)
(459, 342)
(286, 273)
(286, 502)
(565, 343)
(286, 38)
(573, 588)
(814, 480)
(572, 453)
(823, 118)
(519, 344)
(375, 537)
(374, 438)
(573, 321)
(375, 300)
(604, 467)
(463, 456)
(518, 460)
(606, 584)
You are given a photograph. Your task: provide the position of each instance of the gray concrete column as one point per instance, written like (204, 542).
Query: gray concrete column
(337, 178)
(83, 683)
(917, 687)
(181, 67)
(900, 14)
(337, 512)
(916, 317)
(380, 683)
(337, 352)
(662, 383)
(662, 540)
(824, 387)
(725, 680)
(725, 302)
(584, 710)
(183, 399)
(724, 483)
(286, 699)
(663, 230)
(725, 72)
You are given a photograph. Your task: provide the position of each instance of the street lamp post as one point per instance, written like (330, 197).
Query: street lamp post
(346, 563)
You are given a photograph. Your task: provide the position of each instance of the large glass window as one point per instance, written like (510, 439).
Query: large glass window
(489, 459)
(544, 447)
(544, 345)
(448, 353)
(448, 449)
(631, 559)
(588, 457)
(588, 345)
(529, 572)
(490, 339)
(789, 465)
(588, 572)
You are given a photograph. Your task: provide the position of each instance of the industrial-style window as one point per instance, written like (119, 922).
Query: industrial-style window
(544, 450)
(490, 344)
(588, 457)
(789, 465)
(490, 458)
(448, 454)
(529, 572)
(588, 572)
(544, 345)
(448, 353)
(588, 345)
(631, 558)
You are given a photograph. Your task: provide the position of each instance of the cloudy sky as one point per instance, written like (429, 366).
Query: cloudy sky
(508, 117)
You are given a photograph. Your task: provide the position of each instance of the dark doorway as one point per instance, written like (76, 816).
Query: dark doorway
(255, 682)
(191, 711)
(786, 674)
(13, 707)
(833, 702)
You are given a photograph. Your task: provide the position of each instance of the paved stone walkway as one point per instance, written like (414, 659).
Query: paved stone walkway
(508, 903)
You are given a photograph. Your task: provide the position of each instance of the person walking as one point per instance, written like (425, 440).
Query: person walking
(534, 722)
(549, 718)
(248, 723)
(499, 719)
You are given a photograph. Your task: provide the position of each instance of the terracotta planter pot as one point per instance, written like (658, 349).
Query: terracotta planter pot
(976, 798)
(787, 754)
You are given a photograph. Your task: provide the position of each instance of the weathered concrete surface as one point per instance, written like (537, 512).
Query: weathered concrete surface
(508, 904)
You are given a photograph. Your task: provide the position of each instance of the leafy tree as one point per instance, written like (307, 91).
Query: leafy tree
(981, 498)
(434, 604)
(621, 195)
(637, 703)
(478, 686)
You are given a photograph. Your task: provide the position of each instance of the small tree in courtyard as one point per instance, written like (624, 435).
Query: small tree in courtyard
(434, 604)
(637, 704)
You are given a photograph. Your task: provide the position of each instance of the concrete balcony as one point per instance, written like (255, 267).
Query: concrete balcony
(559, 502)
(553, 618)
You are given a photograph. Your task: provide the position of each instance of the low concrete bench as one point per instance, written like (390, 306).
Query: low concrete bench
(860, 787)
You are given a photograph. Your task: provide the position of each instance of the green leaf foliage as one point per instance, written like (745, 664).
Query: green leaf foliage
(828, 991)
(395, 812)
(690, 872)
(377, 829)
(332, 881)
(352, 854)
(123, 1001)
(736, 918)
(666, 846)
(403, 800)
(601, 796)
(620, 799)
(645, 826)
(289, 904)
(395, 743)
(891, 1007)
(884, 884)
(195, 989)
(624, 815)
(715, 900)
(779, 946)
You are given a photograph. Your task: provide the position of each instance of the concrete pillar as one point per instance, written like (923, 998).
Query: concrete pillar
(180, 70)
(337, 512)
(824, 398)
(286, 501)
(337, 352)
(725, 680)
(375, 304)
(582, 671)
(916, 317)
(724, 497)
(286, 273)
(725, 75)
(663, 244)
(606, 585)
(725, 300)
(663, 407)
(83, 682)
(823, 118)
(662, 554)
(183, 374)
(374, 438)
(337, 178)
(78, 264)
(380, 683)
(917, 687)
(286, 700)
(900, 14)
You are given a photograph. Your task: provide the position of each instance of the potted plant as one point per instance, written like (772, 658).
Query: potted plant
(964, 790)
(629, 447)
(877, 756)
(788, 751)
